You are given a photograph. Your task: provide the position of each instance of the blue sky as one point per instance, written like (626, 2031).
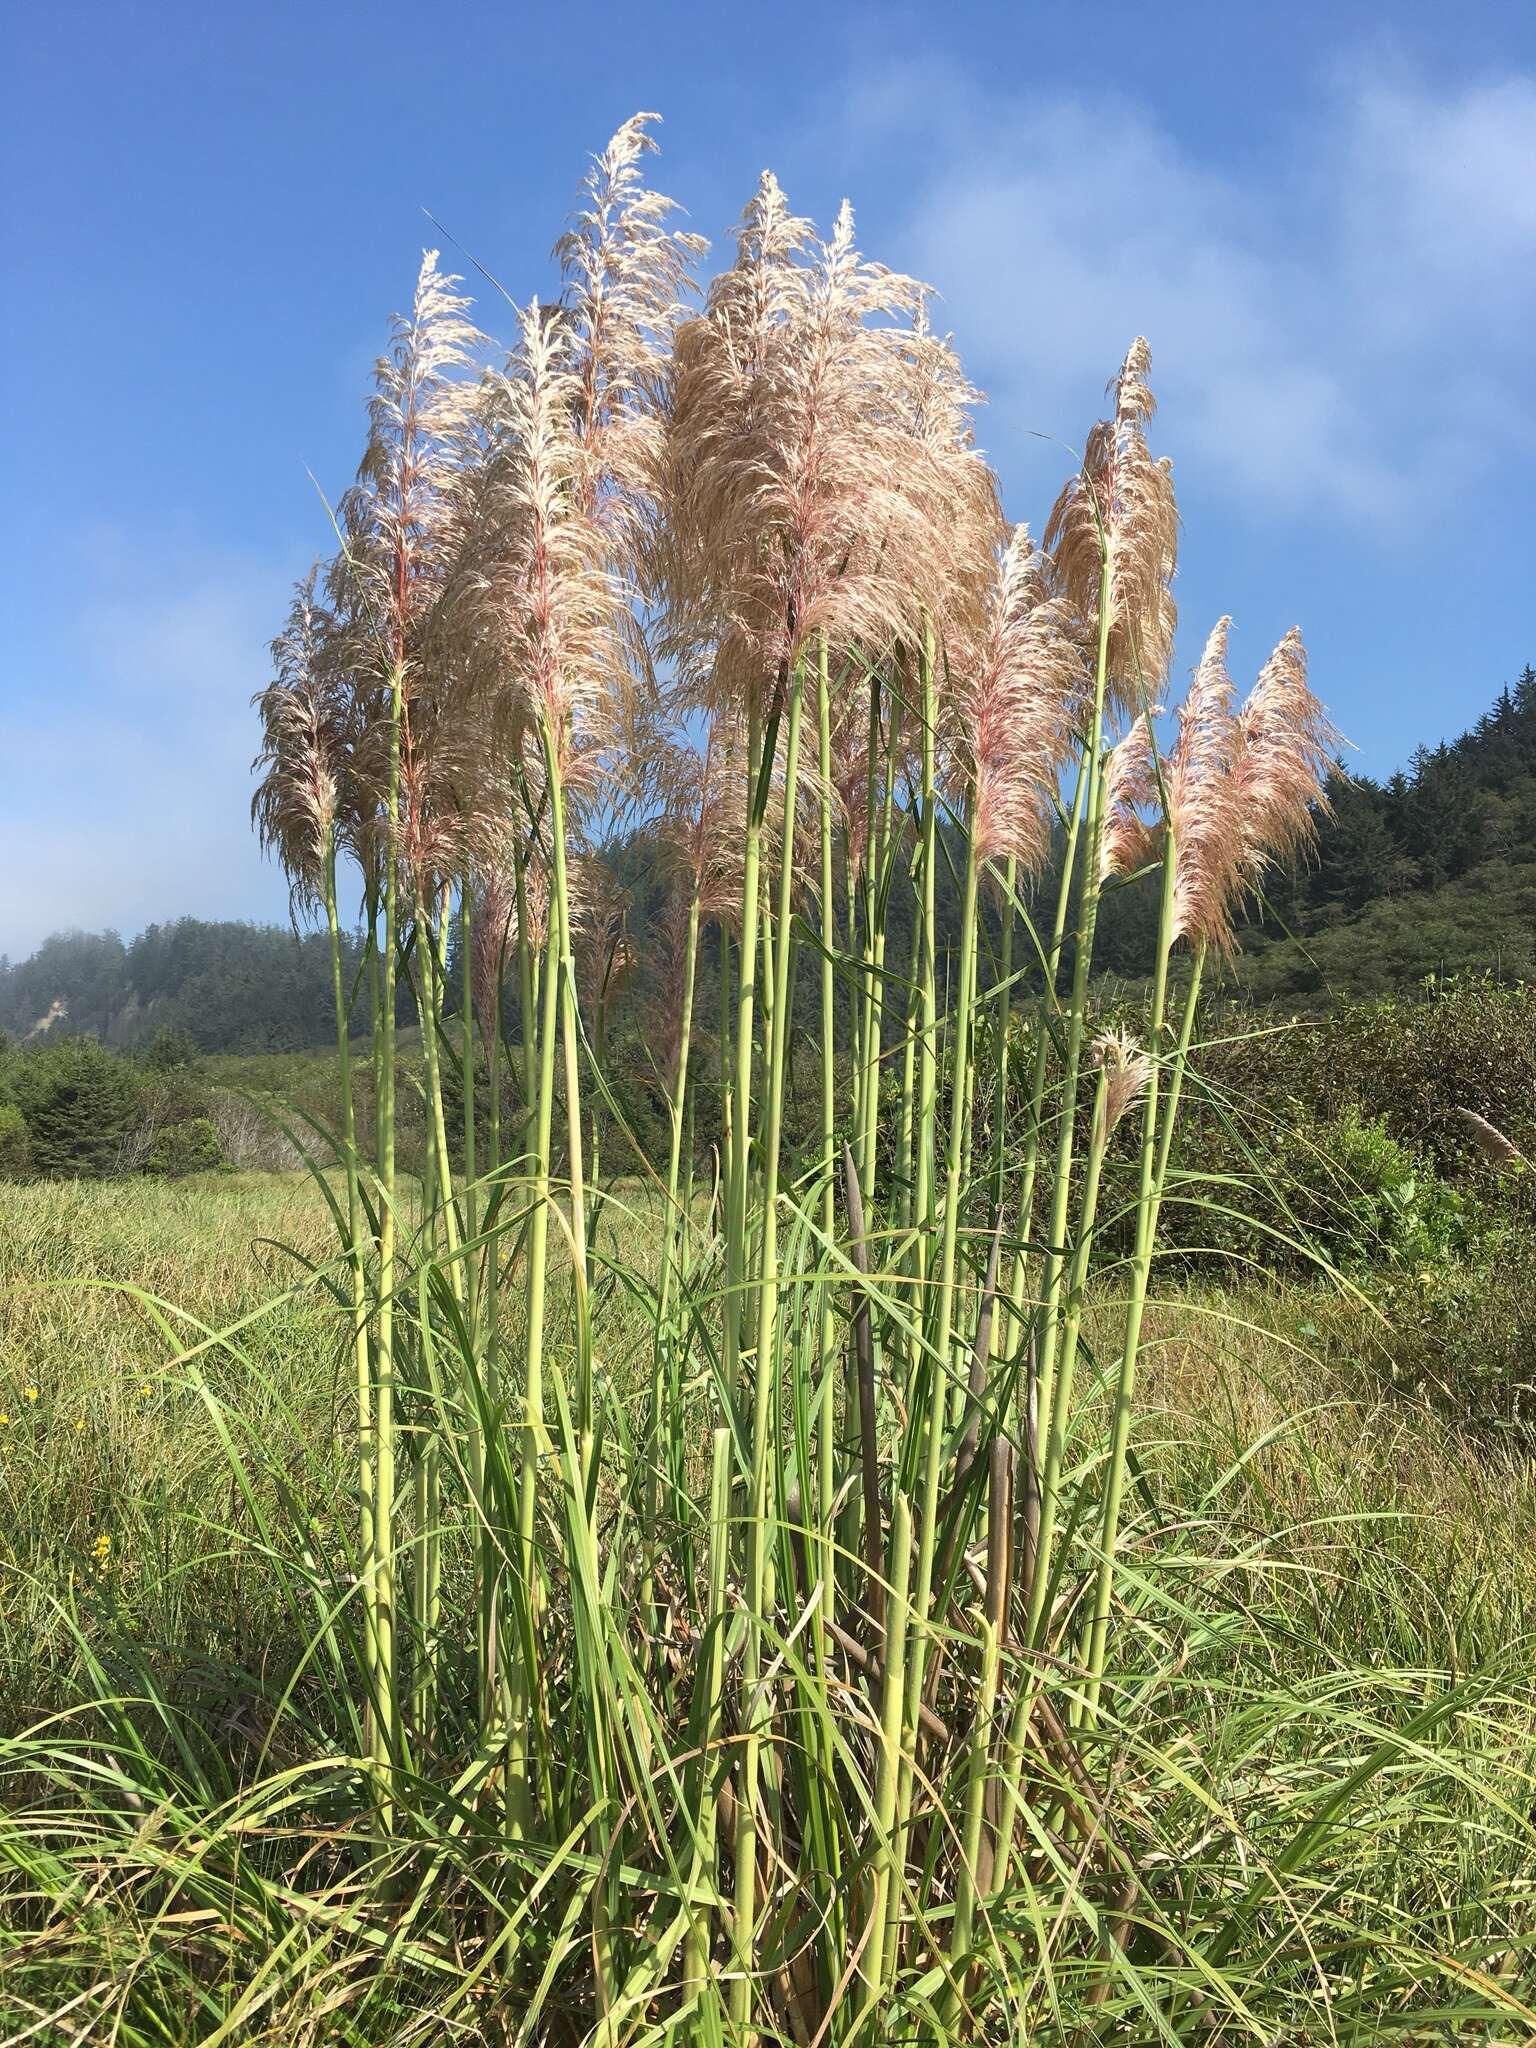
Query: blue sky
(1324, 219)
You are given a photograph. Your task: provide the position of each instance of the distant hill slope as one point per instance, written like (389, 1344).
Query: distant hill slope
(1430, 872)
(232, 987)
(1483, 922)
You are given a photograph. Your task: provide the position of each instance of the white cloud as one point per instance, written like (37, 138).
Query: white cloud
(1343, 331)
(128, 785)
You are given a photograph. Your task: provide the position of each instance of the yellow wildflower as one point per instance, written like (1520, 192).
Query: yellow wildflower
(146, 1389)
(31, 1393)
(101, 1549)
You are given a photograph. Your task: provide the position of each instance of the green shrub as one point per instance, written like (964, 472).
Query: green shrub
(1412, 1063)
(1463, 1336)
(15, 1144)
(170, 1051)
(1346, 1132)
(80, 1104)
(1370, 1200)
(191, 1146)
(175, 1098)
(1285, 1190)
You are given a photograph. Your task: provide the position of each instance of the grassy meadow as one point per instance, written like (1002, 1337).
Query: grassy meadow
(1333, 1588)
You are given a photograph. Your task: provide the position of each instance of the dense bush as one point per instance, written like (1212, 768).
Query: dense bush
(1287, 1189)
(1413, 1062)
(80, 1104)
(71, 1109)
(190, 1146)
(15, 1143)
(1346, 1134)
(1462, 1335)
(170, 1051)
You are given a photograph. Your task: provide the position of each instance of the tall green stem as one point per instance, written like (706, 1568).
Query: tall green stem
(892, 1771)
(560, 922)
(1058, 1420)
(1061, 1192)
(826, 1478)
(938, 1365)
(387, 1729)
(1029, 1168)
(669, 1342)
(766, 1377)
(927, 1033)
(520, 1677)
(467, 1061)
(431, 937)
(741, 1087)
(1155, 1146)
(357, 1271)
(1004, 1016)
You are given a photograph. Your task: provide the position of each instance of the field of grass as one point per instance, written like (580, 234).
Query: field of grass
(1317, 1568)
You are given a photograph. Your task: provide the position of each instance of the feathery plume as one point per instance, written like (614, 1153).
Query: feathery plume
(935, 402)
(400, 513)
(1130, 787)
(493, 933)
(1287, 746)
(1121, 503)
(811, 494)
(545, 591)
(702, 821)
(1243, 787)
(627, 276)
(1490, 1141)
(719, 433)
(304, 748)
(1126, 1069)
(402, 532)
(1203, 807)
(1017, 703)
(602, 941)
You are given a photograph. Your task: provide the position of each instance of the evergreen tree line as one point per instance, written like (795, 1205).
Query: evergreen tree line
(1466, 802)
(230, 987)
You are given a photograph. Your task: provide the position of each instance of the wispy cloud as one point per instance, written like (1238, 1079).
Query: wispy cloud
(1346, 329)
(127, 788)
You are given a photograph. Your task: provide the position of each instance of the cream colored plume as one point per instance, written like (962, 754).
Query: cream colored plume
(304, 751)
(1243, 787)
(1127, 841)
(1017, 701)
(1203, 803)
(601, 939)
(809, 497)
(1121, 504)
(399, 518)
(1126, 1070)
(544, 590)
(1491, 1141)
(702, 823)
(1288, 747)
(628, 275)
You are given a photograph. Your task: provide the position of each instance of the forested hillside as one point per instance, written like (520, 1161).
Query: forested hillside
(230, 987)
(1432, 872)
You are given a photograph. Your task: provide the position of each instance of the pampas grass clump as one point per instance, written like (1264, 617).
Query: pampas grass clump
(793, 1671)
